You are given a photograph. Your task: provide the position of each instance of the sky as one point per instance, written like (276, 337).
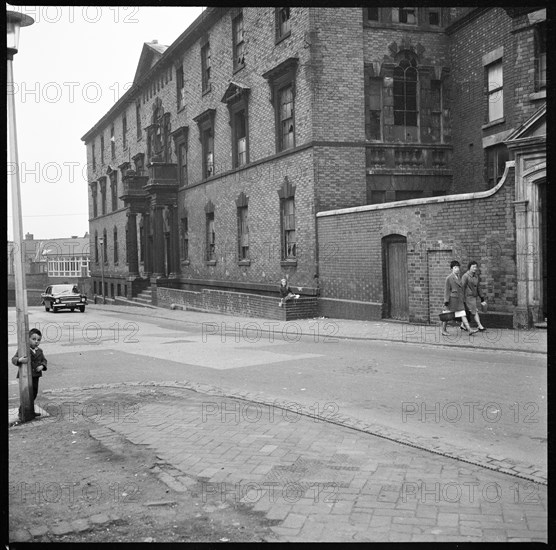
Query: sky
(73, 64)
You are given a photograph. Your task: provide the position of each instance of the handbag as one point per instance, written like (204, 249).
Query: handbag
(447, 316)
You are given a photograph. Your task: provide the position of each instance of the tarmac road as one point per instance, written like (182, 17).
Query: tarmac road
(471, 402)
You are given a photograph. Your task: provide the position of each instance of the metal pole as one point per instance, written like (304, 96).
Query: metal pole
(22, 317)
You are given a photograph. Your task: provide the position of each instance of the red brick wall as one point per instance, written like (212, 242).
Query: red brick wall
(468, 45)
(350, 251)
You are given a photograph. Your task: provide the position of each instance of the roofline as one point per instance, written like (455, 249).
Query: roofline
(192, 33)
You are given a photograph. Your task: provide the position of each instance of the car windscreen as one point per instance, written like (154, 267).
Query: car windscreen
(62, 289)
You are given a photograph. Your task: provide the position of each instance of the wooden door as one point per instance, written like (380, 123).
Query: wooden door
(396, 278)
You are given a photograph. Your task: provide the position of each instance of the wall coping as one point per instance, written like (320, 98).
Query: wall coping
(427, 200)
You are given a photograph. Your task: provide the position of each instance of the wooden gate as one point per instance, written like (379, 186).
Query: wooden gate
(396, 292)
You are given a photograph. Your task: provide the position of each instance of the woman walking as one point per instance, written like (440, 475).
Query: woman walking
(454, 298)
(470, 282)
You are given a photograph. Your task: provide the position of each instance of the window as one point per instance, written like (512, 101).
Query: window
(205, 68)
(436, 110)
(101, 149)
(282, 23)
(112, 143)
(180, 87)
(282, 85)
(495, 91)
(378, 197)
(138, 119)
(68, 266)
(540, 51)
(96, 248)
(139, 161)
(374, 109)
(182, 163)
(405, 92)
(404, 15)
(238, 44)
(211, 237)
(114, 189)
(286, 122)
(242, 233)
(115, 245)
(184, 237)
(205, 121)
(124, 131)
(289, 244)
(407, 195)
(93, 154)
(434, 17)
(496, 157)
(105, 246)
(240, 138)
(103, 195)
(372, 14)
(94, 197)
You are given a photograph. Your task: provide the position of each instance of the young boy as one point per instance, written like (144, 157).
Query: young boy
(38, 361)
(286, 293)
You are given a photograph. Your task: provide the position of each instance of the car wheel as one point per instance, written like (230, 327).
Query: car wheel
(82, 309)
(72, 309)
(46, 308)
(54, 310)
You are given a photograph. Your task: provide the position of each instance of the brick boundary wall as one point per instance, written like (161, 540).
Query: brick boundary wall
(238, 303)
(472, 226)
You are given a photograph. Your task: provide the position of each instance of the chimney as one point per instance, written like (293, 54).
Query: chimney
(29, 237)
(74, 236)
(154, 41)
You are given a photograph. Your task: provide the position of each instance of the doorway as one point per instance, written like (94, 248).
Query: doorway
(543, 248)
(396, 296)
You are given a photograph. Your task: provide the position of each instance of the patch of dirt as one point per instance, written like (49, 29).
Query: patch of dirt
(59, 473)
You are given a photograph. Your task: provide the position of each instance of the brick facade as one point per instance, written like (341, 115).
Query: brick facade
(354, 143)
(437, 230)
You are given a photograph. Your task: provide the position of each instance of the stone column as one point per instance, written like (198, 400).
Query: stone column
(521, 316)
(131, 245)
(146, 243)
(158, 243)
(174, 252)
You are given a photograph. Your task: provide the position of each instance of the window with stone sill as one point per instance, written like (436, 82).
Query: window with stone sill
(124, 131)
(407, 16)
(138, 119)
(283, 28)
(115, 245)
(210, 237)
(373, 123)
(180, 87)
(243, 233)
(238, 42)
(540, 56)
(182, 163)
(102, 150)
(112, 143)
(114, 190)
(94, 156)
(495, 91)
(184, 239)
(205, 68)
(95, 200)
(406, 113)
(372, 14)
(289, 242)
(495, 158)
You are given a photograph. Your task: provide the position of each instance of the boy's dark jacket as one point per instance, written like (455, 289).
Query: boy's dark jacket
(37, 358)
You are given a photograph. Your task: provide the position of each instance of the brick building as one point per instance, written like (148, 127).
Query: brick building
(231, 160)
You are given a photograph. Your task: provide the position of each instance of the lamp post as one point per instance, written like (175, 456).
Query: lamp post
(14, 21)
(101, 243)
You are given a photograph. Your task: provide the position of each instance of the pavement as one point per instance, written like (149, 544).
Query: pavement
(520, 340)
(316, 478)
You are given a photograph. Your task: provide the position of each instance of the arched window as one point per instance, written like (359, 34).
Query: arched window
(405, 91)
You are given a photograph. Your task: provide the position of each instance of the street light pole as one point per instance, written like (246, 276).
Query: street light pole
(101, 242)
(14, 21)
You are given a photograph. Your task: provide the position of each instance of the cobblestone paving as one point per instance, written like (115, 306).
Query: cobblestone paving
(325, 482)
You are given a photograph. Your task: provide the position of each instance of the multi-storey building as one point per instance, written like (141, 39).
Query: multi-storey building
(210, 171)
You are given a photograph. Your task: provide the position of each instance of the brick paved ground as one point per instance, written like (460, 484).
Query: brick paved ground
(324, 482)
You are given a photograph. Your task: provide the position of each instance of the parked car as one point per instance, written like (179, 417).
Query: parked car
(63, 296)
